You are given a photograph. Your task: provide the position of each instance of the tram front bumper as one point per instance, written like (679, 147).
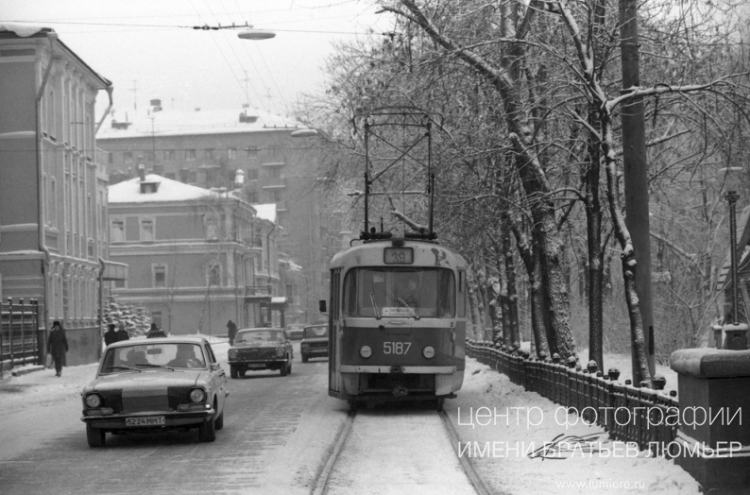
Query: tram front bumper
(432, 370)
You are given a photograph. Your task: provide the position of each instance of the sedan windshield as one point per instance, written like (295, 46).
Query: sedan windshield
(259, 336)
(153, 356)
(315, 332)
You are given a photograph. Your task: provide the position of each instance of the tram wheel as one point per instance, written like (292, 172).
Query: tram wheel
(439, 405)
(353, 405)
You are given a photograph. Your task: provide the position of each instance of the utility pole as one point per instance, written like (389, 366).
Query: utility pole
(635, 164)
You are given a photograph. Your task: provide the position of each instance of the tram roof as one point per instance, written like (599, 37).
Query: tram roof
(371, 253)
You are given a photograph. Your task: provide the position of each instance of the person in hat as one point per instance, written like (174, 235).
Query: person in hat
(57, 346)
(231, 331)
(110, 336)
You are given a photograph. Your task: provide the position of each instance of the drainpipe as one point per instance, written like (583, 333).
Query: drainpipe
(106, 112)
(268, 263)
(52, 37)
(100, 315)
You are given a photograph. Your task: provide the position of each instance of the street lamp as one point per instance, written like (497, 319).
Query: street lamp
(256, 34)
(732, 182)
(734, 333)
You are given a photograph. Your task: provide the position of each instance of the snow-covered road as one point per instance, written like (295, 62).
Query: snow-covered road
(373, 462)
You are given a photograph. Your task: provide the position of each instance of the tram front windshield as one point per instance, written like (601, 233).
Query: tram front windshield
(400, 292)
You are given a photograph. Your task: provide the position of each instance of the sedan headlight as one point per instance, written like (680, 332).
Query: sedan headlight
(280, 351)
(197, 395)
(93, 401)
(232, 354)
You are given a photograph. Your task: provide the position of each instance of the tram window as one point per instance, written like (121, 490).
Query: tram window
(424, 292)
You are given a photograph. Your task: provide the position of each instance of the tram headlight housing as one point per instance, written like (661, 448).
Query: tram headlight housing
(365, 351)
(428, 352)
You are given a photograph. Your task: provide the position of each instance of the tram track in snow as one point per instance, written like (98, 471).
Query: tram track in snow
(378, 451)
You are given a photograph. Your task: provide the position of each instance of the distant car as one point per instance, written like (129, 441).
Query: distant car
(260, 349)
(294, 331)
(314, 342)
(144, 385)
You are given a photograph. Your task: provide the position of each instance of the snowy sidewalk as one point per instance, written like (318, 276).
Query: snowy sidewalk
(500, 422)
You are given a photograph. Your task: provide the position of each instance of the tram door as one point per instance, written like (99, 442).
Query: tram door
(334, 332)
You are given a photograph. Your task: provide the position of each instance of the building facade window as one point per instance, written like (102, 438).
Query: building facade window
(251, 174)
(190, 155)
(232, 153)
(214, 274)
(147, 229)
(169, 155)
(117, 231)
(159, 274)
(127, 157)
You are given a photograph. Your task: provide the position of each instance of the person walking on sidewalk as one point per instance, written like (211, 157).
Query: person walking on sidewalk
(57, 346)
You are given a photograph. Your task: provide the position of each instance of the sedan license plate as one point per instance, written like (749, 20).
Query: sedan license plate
(256, 366)
(148, 421)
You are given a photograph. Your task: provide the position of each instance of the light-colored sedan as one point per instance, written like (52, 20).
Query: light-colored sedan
(156, 384)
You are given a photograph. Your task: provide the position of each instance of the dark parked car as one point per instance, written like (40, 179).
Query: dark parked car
(294, 331)
(314, 342)
(157, 384)
(260, 349)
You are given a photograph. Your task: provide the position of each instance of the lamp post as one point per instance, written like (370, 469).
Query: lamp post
(731, 177)
(733, 333)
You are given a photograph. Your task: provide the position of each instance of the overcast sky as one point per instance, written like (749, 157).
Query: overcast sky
(141, 47)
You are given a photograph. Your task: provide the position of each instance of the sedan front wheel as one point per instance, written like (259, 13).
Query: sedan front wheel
(95, 436)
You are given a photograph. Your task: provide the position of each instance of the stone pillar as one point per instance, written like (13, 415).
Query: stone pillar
(714, 397)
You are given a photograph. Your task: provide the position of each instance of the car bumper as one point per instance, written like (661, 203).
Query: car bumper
(256, 364)
(171, 420)
(315, 352)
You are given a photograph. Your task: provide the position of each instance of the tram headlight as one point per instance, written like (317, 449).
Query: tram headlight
(428, 352)
(365, 351)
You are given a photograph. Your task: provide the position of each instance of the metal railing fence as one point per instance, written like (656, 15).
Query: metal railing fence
(621, 409)
(21, 340)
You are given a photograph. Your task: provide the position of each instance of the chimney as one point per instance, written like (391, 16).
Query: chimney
(142, 172)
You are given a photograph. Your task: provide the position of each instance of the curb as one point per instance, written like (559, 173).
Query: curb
(25, 370)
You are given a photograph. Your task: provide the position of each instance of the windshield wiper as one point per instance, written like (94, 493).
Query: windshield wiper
(374, 305)
(126, 368)
(149, 365)
(406, 305)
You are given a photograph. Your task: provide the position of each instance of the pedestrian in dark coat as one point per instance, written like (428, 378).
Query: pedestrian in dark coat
(122, 334)
(155, 332)
(57, 346)
(232, 330)
(110, 336)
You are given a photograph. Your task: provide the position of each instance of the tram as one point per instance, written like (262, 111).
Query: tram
(397, 317)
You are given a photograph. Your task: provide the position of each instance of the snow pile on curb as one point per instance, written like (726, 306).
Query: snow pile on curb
(499, 423)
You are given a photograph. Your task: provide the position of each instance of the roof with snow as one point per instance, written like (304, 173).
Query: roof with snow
(266, 211)
(162, 122)
(129, 191)
(24, 30)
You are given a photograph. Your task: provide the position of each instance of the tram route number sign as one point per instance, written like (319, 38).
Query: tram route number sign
(398, 256)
